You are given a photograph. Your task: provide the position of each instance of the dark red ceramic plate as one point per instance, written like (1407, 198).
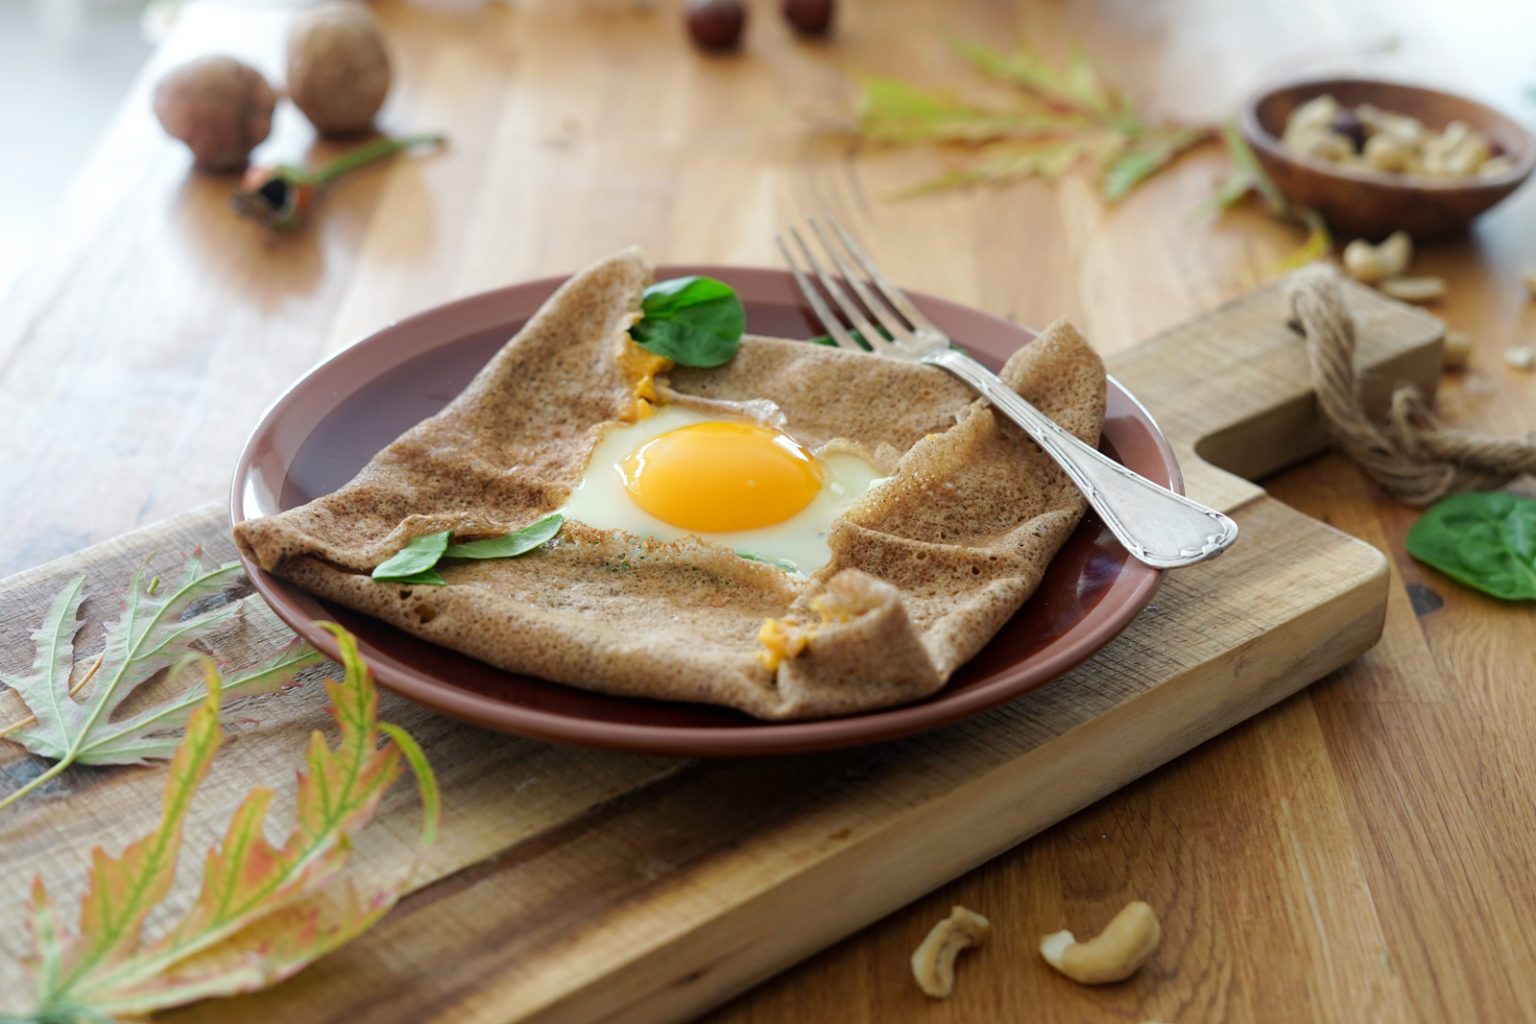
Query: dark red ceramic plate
(328, 425)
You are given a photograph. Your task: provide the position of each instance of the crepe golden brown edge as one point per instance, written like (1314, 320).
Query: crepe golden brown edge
(925, 568)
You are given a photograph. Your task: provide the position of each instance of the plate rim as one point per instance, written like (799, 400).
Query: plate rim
(753, 739)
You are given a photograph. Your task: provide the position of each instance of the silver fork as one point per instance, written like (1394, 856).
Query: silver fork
(1157, 526)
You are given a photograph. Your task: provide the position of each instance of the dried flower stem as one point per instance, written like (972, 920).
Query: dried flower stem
(369, 152)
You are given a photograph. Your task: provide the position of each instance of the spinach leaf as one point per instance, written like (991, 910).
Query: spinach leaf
(778, 563)
(831, 342)
(419, 555)
(511, 545)
(693, 321)
(415, 562)
(1486, 539)
(427, 577)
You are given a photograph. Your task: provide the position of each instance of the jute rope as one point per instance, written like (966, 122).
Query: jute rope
(1412, 456)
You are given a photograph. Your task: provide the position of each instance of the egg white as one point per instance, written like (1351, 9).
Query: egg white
(798, 544)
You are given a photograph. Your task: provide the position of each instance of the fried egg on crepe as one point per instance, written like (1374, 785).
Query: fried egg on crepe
(925, 566)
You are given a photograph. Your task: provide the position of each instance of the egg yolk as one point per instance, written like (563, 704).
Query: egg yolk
(641, 367)
(720, 477)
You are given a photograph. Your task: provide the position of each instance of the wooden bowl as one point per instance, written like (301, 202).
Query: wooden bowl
(1374, 204)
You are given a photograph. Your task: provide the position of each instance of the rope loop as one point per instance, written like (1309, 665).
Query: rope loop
(1413, 456)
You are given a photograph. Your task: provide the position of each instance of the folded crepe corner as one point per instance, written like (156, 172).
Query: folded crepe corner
(925, 568)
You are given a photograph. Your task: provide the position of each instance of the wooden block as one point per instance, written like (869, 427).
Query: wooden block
(576, 885)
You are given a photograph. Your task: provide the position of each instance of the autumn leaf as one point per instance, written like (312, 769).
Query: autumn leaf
(263, 912)
(1147, 155)
(891, 110)
(1079, 88)
(1247, 178)
(1318, 243)
(159, 623)
(1064, 117)
(1047, 160)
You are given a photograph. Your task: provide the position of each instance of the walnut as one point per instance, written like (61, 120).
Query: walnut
(338, 68)
(220, 107)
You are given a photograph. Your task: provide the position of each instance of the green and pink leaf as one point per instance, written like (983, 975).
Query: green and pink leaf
(72, 721)
(262, 912)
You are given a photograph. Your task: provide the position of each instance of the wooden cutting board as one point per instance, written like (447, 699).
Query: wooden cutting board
(577, 885)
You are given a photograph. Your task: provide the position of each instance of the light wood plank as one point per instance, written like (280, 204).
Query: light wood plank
(729, 890)
(150, 330)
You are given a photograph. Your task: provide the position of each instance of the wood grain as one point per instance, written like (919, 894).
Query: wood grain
(746, 867)
(1361, 852)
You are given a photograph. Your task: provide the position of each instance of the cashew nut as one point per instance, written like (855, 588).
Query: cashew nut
(1410, 131)
(1456, 350)
(933, 962)
(1387, 152)
(1458, 150)
(1468, 157)
(1413, 289)
(1322, 143)
(1369, 138)
(1370, 263)
(1496, 167)
(1522, 358)
(1372, 116)
(1318, 112)
(1113, 955)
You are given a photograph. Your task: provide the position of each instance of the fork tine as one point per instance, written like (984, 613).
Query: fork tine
(895, 296)
(881, 310)
(873, 337)
(833, 325)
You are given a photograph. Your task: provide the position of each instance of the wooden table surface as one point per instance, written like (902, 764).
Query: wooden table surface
(152, 327)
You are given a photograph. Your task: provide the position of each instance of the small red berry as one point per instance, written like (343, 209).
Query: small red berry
(809, 17)
(716, 24)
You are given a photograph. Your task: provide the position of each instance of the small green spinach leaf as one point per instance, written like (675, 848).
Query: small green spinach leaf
(427, 577)
(1485, 539)
(781, 564)
(693, 321)
(415, 563)
(831, 342)
(510, 545)
(419, 555)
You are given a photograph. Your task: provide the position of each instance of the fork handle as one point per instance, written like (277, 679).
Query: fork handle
(1157, 526)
